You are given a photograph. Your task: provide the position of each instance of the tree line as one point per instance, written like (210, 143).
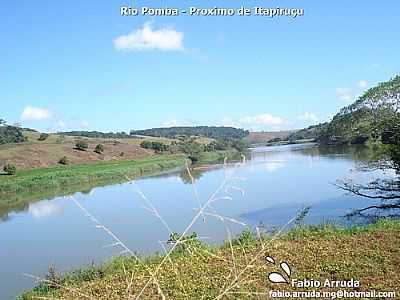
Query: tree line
(10, 134)
(214, 132)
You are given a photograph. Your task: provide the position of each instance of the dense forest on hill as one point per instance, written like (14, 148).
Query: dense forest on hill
(205, 131)
(10, 134)
(98, 134)
(370, 117)
(367, 118)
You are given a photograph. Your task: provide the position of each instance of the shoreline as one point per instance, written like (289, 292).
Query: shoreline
(59, 177)
(314, 252)
(28, 185)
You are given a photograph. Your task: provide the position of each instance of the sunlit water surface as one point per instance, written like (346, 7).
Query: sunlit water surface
(267, 191)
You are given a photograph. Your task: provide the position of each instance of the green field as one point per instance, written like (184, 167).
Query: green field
(239, 270)
(60, 176)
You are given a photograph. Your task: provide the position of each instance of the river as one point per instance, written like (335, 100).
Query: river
(266, 191)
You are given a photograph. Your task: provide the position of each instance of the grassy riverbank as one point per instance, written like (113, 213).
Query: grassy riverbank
(28, 185)
(368, 254)
(80, 174)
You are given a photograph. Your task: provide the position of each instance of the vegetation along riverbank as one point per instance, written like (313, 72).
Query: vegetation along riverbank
(239, 269)
(37, 162)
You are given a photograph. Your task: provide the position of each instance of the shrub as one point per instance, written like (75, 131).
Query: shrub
(157, 146)
(99, 149)
(43, 136)
(63, 160)
(10, 169)
(11, 134)
(81, 145)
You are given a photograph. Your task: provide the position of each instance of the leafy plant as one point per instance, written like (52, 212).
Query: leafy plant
(43, 136)
(10, 169)
(185, 243)
(157, 146)
(246, 237)
(81, 145)
(63, 160)
(11, 134)
(99, 149)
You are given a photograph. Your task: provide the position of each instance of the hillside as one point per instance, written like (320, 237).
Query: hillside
(213, 132)
(33, 153)
(267, 136)
(365, 119)
(311, 132)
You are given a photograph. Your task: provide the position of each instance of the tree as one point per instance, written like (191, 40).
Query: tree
(99, 149)
(63, 160)
(2, 122)
(240, 145)
(10, 169)
(375, 115)
(157, 146)
(81, 145)
(187, 131)
(43, 136)
(11, 134)
(192, 149)
(386, 190)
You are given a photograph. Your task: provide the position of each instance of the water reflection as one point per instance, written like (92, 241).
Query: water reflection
(279, 181)
(44, 209)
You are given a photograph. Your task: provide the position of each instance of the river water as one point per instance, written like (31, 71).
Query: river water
(266, 191)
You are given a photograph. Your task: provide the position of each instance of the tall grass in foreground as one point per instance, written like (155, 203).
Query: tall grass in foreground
(186, 243)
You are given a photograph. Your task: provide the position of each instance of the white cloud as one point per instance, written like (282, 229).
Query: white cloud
(344, 94)
(147, 38)
(363, 84)
(228, 122)
(174, 122)
(257, 122)
(61, 124)
(263, 119)
(31, 113)
(170, 123)
(84, 124)
(309, 117)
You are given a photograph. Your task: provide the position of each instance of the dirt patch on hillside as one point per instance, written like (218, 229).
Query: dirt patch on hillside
(35, 155)
(264, 137)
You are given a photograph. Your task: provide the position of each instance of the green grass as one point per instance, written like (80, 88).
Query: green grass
(369, 254)
(208, 157)
(35, 184)
(59, 176)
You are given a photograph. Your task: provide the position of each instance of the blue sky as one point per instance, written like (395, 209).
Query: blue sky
(73, 65)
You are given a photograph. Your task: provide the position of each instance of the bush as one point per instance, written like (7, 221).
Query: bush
(10, 169)
(63, 160)
(43, 136)
(99, 149)
(157, 146)
(81, 145)
(11, 134)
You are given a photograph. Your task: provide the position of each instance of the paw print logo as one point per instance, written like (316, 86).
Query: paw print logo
(276, 277)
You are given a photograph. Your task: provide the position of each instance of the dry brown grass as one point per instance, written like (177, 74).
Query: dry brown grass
(264, 137)
(372, 257)
(40, 154)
